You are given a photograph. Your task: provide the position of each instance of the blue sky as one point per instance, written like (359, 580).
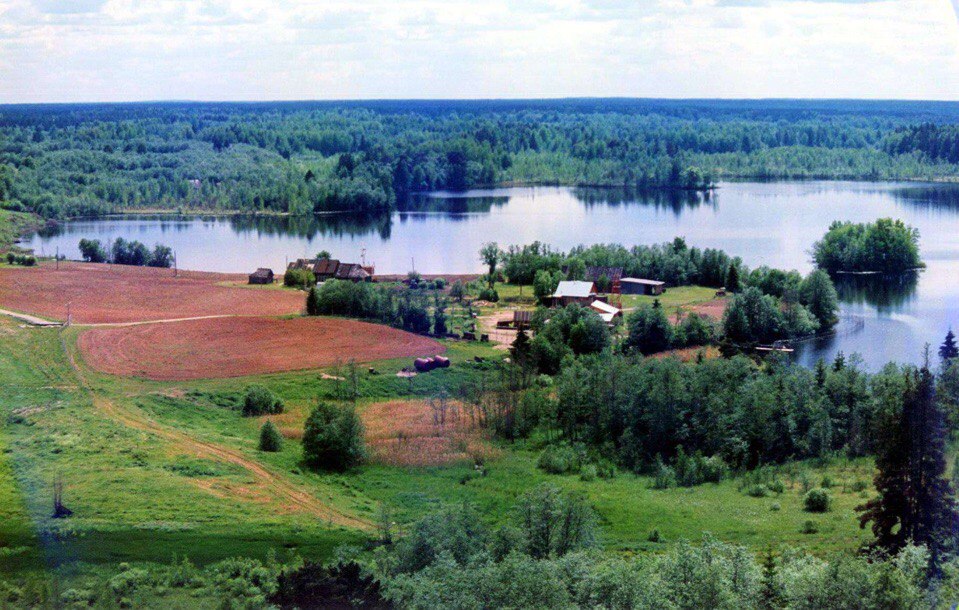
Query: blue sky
(124, 50)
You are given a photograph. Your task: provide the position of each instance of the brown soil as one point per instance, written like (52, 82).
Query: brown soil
(234, 347)
(100, 293)
(424, 433)
(711, 309)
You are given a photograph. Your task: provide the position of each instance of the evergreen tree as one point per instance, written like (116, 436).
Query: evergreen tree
(771, 594)
(948, 350)
(270, 439)
(916, 502)
(732, 279)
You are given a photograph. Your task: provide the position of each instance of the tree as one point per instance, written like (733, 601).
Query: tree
(270, 439)
(732, 279)
(92, 251)
(456, 290)
(162, 256)
(323, 254)
(260, 401)
(649, 330)
(490, 254)
(819, 295)
(555, 523)
(333, 437)
(948, 351)
(916, 501)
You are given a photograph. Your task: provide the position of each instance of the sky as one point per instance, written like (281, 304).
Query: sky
(129, 50)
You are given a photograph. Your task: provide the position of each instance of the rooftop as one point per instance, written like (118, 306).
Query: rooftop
(574, 289)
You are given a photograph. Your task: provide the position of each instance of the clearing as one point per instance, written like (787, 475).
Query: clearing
(236, 347)
(101, 293)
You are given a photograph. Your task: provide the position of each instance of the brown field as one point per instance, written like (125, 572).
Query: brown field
(234, 347)
(417, 433)
(711, 309)
(100, 293)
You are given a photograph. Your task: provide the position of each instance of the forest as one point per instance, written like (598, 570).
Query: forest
(88, 159)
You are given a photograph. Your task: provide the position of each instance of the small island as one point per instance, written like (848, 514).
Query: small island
(886, 246)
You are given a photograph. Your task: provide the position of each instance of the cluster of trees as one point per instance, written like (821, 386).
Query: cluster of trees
(123, 252)
(450, 560)
(884, 246)
(74, 160)
(408, 309)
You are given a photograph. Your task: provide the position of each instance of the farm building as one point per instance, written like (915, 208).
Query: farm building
(328, 269)
(262, 276)
(613, 275)
(632, 285)
(568, 292)
(607, 312)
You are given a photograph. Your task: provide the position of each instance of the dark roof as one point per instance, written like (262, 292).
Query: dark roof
(262, 272)
(326, 266)
(347, 271)
(593, 274)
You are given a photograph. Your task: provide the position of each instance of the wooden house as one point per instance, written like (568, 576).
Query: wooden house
(262, 276)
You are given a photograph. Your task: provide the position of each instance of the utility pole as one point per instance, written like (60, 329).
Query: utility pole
(175, 270)
(58, 258)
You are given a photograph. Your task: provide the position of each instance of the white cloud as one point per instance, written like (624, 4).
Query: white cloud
(53, 50)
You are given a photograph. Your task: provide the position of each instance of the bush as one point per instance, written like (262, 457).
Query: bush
(817, 501)
(92, 251)
(333, 438)
(664, 477)
(560, 459)
(270, 439)
(654, 536)
(808, 528)
(776, 486)
(588, 473)
(299, 278)
(757, 491)
(488, 294)
(260, 401)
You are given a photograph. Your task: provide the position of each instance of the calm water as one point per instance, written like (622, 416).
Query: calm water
(765, 223)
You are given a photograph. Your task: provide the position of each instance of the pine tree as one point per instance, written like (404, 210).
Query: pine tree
(916, 501)
(732, 279)
(270, 439)
(771, 595)
(948, 350)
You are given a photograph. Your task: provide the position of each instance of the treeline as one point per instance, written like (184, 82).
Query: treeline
(301, 158)
(409, 309)
(123, 252)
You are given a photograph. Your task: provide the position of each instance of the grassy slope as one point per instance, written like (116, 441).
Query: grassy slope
(140, 497)
(13, 224)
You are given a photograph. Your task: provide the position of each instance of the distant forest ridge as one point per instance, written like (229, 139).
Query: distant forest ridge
(366, 156)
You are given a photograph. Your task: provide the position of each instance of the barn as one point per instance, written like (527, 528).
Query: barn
(634, 285)
(262, 276)
(568, 292)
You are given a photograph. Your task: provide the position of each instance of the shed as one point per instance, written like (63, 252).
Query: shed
(607, 312)
(568, 292)
(262, 276)
(634, 285)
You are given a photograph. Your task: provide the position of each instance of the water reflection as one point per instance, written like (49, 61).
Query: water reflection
(945, 196)
(886, 293)
(675, 201)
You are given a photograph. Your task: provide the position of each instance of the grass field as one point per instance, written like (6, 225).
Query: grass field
(13, 224)
(139, 493)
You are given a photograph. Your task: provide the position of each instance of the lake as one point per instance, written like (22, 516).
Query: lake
(771, 224)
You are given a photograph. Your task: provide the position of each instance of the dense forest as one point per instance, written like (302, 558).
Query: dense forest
(67, 160)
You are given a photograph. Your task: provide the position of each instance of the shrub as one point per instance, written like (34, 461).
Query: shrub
(808, 528)
(817, 501)
(664, 477)
(261, 401)
(654, 536)
(776, 486)
(489, 294)
(588, 473)
(776, 507)
(92, 251)
(333, 438)
(299, 278)
(757, 491)
(270, 439)
(560, 459)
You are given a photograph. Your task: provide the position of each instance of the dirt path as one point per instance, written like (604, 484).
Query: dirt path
(33, 320)
(288, 493)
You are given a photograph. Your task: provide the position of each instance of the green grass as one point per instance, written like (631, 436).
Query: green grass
(140, 497)
(680, 296)
(13, 224)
